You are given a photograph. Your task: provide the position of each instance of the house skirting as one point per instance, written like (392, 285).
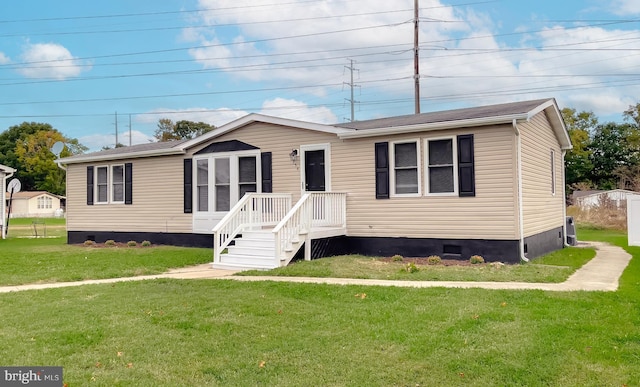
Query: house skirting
(173, 239)
(507, 251)
(544, 243)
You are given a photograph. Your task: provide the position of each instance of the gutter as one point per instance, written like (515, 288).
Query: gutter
(519, 178)
(495, 120)
(132, 155)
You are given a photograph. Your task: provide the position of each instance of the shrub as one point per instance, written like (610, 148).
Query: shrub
(411, 268)
(146, 243)
(434, 260)
(89, 243)
(397, 258)
(475, 259)
(110, 242)
(132, 243)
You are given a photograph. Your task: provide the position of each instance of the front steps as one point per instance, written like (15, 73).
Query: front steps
(255, 250)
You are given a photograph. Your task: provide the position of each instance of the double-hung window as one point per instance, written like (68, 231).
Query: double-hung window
(117, 183)
(110, 184)
(441, 166)
(202, 184)
(223, 184)
(102, 184)
(406, 174)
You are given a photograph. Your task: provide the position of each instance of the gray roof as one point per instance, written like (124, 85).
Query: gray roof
(447, 115)
(152, 146)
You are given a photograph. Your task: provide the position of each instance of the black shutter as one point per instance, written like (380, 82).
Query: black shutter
(128, 184)
(382, 170)
(188, 186)
(466, 170)
(90, 185)
(267, 173)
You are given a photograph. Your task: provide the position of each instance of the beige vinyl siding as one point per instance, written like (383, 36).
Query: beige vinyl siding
(158, 204)
(542, 211)
(488, 215)
(491, 214)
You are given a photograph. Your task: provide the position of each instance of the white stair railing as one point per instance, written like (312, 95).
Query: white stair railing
(313, 210)
(254, 211)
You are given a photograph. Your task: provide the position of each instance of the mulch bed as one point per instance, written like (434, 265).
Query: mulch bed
(423, 261)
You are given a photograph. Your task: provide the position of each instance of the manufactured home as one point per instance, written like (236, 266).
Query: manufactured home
(486, 180)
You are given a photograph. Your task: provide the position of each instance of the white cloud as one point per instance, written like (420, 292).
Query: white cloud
(4, 59)
(49, 60)
(463, 59)
(624, 7)
(296, 110)
(98, 141)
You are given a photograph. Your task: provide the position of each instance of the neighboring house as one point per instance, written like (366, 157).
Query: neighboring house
(615, 198)
(5, 174)
(35, 204)
(486, 180)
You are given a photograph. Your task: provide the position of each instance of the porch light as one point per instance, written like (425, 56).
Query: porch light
(294, 156)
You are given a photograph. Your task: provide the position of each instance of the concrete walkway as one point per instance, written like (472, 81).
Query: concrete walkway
(600, 274)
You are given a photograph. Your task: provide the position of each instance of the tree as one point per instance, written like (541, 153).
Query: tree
(578, 163)
(633, 114)
(8, 140)
(614, 147)
(168, 130)
(35, 161)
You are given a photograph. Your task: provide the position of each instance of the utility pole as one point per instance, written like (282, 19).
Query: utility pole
(352, 85)
(129, 129)
(116, 115)
(416, 58)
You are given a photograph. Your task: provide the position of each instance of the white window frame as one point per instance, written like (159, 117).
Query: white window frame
(111, 188)
(454, 150)
(326, 147)
(196, 199)
(97, 185)
(234, 175)
(392, 168)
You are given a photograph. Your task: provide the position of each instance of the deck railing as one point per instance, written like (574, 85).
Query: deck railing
(253, 211)
(313, 210)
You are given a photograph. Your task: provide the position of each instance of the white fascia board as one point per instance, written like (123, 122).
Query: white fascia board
(7, 169)
(434, 126)
(254, 117)
(122, 156)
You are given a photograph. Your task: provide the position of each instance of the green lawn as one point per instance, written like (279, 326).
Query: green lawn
(222, 332)
(555, 267)
(31, 227)
(27, 260)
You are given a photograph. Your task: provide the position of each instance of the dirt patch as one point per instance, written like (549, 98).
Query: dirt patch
(117, 245)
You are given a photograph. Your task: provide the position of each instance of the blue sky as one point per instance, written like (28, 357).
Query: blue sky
(74, 64)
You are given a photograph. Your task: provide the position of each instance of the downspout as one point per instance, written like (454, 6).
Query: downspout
(519, 178)
(564, 203)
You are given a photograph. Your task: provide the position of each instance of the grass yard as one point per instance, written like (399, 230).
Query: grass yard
(41, 227)
(221, 332)
(28, 260)
(555, 267)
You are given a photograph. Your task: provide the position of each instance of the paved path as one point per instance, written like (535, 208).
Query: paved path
(600, 274)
